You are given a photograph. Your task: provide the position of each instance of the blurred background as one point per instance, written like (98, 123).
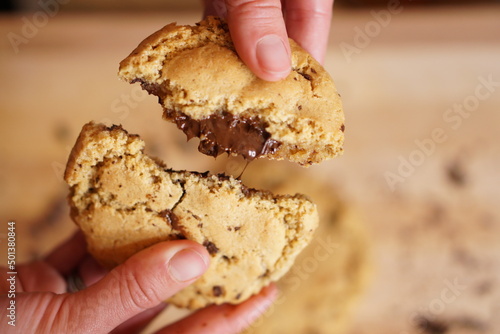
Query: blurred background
(410, 211)
(187, 5)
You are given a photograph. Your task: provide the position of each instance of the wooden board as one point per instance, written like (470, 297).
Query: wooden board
(435, 234)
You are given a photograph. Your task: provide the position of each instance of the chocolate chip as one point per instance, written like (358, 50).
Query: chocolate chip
(313, 70)
(265, 274)
(342, 128)
(299, 107)
(115, 127)
(218, 291)
(170, 218)
(194, 216)
(204, 174)
(306, 76)
(211, 248)
(238, 296)
(237, 228)
(223, 177)
(248, 192)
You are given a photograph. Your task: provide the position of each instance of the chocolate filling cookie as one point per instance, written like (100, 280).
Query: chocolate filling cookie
(207, 90)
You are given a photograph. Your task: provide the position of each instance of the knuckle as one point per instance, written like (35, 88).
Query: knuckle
(254, 7)
(57, 311)
(301, 14)
(137, 292)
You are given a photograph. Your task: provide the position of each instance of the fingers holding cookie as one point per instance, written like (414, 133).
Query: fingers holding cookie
(259, 35)
(141, 283)
(308, 23)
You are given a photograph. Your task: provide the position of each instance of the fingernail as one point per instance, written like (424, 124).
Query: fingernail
(187, 264)
(272, 55)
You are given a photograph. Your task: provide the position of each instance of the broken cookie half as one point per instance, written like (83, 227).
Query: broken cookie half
(206, 89)
(125, 201)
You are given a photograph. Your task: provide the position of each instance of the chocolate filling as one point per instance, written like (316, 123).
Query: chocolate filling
(225, 132)
(221, 132)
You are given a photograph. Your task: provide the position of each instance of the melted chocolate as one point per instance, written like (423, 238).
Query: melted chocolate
(171, 218)
(153, 89)
(222, 132)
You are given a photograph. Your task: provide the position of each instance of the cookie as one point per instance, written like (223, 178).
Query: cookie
(207, 90)
(125, 201)
(327, 278)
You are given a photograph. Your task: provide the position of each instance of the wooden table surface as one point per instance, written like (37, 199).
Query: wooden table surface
(421, 91)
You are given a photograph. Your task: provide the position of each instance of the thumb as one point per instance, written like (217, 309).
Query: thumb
(142, 282)
(259, 35)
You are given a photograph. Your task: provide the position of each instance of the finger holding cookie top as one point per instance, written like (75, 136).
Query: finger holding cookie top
(260, 31)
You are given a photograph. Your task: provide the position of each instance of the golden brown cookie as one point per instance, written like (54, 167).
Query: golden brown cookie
(321, 288)
(207, 90)
(124, 201)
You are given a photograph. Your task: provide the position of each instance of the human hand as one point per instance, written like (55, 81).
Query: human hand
(123, 300)
(259, 29)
